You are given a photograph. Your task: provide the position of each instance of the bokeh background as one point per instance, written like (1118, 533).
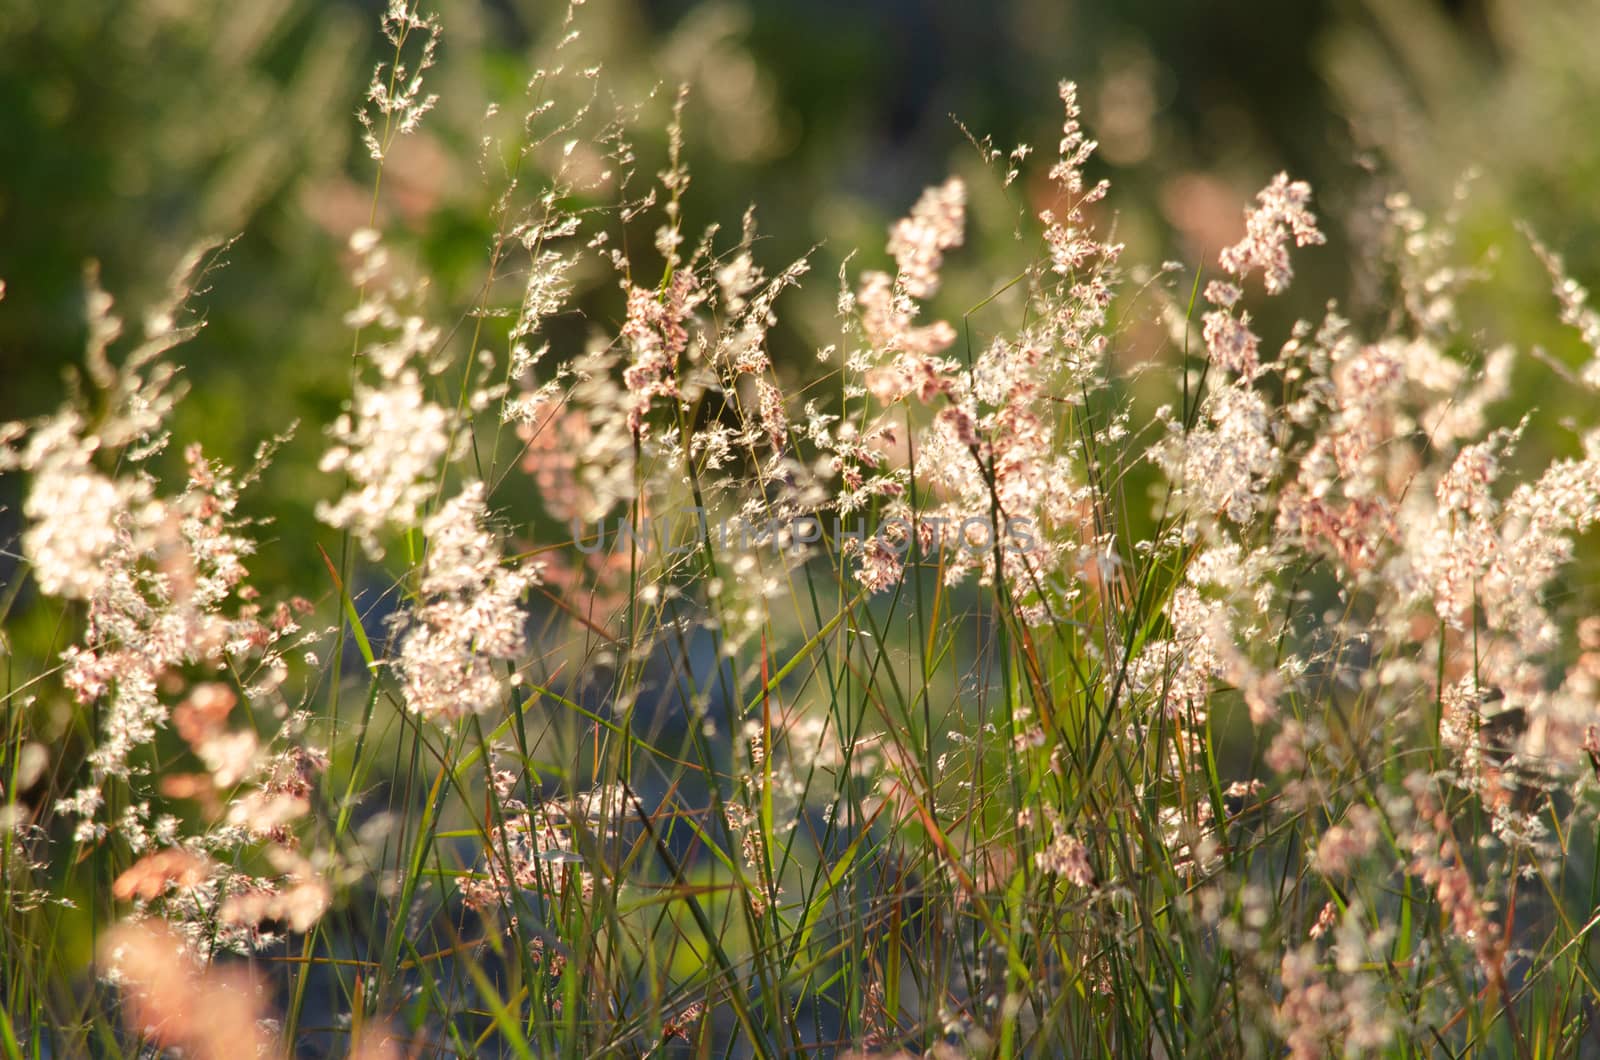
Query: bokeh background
(131, 129)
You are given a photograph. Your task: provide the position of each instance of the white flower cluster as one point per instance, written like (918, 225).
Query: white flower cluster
(918, 242)
(469, 619)
(391, 445)
(393, 441)
(76, 515)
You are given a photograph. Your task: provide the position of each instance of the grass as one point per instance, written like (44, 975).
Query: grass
(649, 706)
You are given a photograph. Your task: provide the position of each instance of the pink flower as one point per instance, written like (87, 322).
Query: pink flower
(1283, 211)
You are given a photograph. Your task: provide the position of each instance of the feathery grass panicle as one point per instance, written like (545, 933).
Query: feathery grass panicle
(982, 694)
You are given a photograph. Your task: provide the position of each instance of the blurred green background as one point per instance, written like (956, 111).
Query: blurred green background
(132, 129)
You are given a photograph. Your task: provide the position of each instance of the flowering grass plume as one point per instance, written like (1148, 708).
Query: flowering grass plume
(1009, 685)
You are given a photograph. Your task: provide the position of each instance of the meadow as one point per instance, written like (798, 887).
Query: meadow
(1072, 656)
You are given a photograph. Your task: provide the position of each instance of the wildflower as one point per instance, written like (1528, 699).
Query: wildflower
(266, 813)
(204, 712)
(299, 904)
(880, 567)
(536, 849)
(77, 516)
(1224, 462)
(546, 289)
(1283, 212)
(1308, 1012)
(391, 441)
(1540, 521)
(401, 110)
(1575, 309)
(1326, 919)
(390, 445)
(153, 874)
(745, 826)
(1318, 1016)
(175, 1002)
(1351, 839)
(657, 337)
(736, 280)
(918, 242)
(1287, 752)
(1222, 294)
(1231, 343)
(1072, 245)
(774, 418)
(1437, 862)
(683, 1023)
(886, 318)
(469, 617)
(161, 604)
(1066, 856)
